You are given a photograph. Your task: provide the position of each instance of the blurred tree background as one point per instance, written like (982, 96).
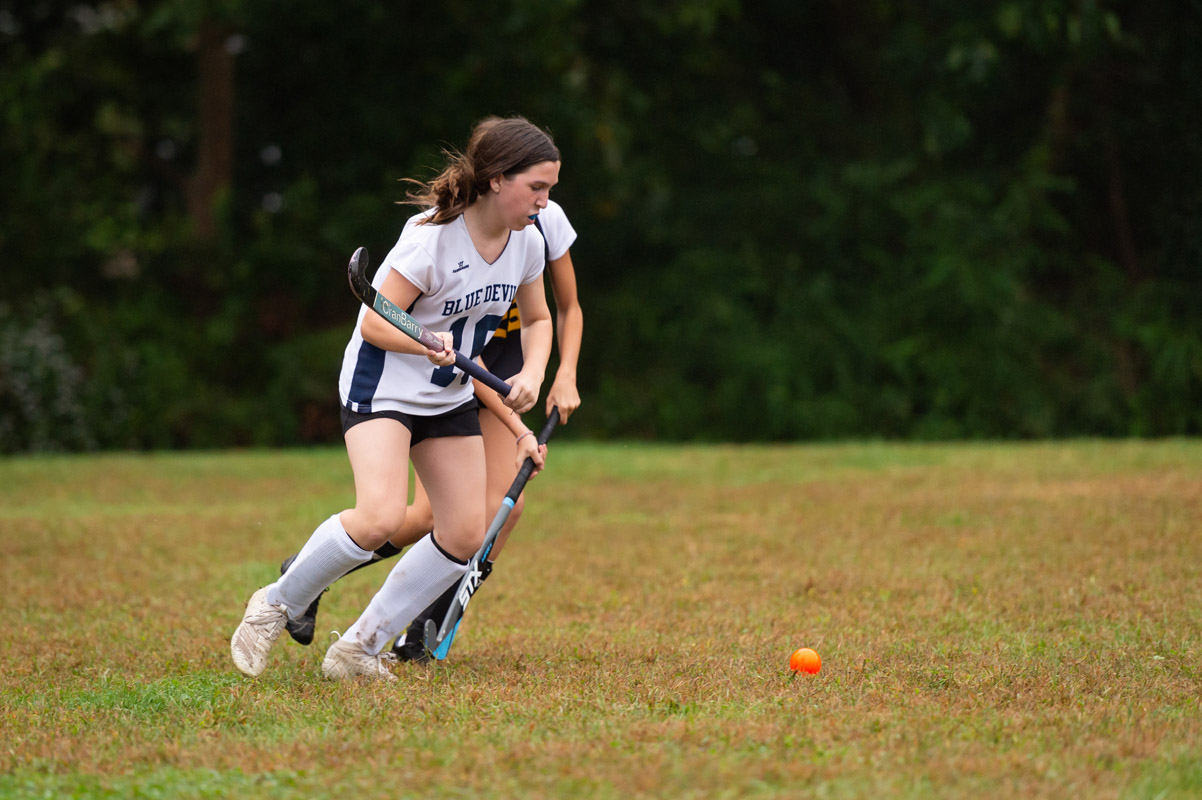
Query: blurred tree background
(797, 218)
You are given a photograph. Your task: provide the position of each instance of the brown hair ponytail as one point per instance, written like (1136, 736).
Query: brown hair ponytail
(498, 146)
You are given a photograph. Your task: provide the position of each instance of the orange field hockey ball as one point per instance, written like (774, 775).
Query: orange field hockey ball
(805, 660)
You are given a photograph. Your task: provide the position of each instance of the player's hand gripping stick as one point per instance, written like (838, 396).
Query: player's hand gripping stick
(367, 294)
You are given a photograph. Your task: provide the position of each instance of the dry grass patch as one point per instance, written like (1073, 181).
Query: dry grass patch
(993, 620)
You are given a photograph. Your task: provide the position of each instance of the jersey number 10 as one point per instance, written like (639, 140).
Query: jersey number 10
(487, 324)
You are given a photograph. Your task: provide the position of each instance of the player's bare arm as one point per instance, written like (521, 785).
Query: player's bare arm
(569, 330)
(536, 346)
(378, 331)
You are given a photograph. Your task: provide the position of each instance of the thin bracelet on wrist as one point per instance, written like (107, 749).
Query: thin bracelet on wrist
(527, 433)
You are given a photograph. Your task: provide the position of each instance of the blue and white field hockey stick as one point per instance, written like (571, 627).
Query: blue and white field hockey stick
(438, 638)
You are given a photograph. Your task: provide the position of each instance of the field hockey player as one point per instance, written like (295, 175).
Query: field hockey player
(457, 272)
(506, 437)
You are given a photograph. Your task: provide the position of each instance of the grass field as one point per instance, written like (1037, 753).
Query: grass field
(1017, 620)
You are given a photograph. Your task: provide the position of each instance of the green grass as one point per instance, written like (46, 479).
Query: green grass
(994, 619)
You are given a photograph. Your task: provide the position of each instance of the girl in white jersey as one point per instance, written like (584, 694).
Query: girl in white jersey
(457, 273)
(503, 429)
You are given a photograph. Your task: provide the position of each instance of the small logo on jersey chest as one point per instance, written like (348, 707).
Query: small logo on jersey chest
(461, 267)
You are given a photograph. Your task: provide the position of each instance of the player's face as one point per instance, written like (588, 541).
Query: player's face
(522, 196)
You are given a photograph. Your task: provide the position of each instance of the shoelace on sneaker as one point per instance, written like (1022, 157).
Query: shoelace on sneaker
(265, 623)
(378, 660)
(383, 659)
(268, 616)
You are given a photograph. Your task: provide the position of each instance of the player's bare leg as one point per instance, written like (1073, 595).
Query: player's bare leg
(500, 451)
(452, 469)
(378, 451)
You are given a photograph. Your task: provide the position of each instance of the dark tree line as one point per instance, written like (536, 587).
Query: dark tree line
(805, 219)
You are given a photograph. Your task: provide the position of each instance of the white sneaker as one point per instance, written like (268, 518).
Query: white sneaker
(346, 659)
(261, 626)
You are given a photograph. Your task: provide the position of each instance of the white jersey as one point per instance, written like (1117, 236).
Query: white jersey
(552, 223)
(460, 293)
(558, 232)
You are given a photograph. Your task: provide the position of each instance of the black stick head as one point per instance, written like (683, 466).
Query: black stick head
(431, 636)
(356, 273)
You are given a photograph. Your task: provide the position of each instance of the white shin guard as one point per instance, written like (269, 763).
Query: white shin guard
(419, 577)
(328, 555)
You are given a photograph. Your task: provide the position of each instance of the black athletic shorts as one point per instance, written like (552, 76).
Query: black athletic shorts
(461, 421)
(502, 356)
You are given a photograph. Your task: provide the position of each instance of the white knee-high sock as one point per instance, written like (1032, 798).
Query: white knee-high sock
(326, 557)
(422, 574)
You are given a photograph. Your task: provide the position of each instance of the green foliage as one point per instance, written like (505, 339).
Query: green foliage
(797, 220)
(41, 388)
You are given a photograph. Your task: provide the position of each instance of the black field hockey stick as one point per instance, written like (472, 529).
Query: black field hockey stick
(367, 294)
(438, 638)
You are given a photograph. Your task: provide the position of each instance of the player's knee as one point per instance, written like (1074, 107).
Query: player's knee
(376, 525)
(461, 540)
